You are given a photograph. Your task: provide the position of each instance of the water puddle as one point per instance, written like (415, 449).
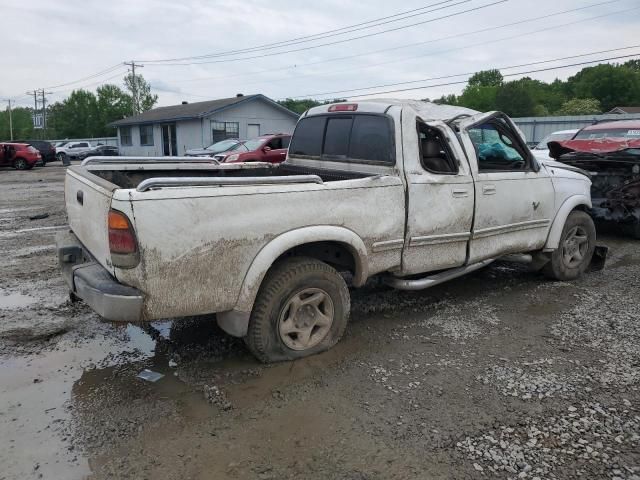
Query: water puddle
(14, 301)
(64, 408)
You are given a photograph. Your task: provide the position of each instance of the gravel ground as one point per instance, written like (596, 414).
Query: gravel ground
(501, 374)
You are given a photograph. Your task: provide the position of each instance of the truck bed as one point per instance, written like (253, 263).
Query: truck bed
(197, 239)
(123, 176)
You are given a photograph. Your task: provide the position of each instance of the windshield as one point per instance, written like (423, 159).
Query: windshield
(61, 144)
(221, 146)
(554, 137)
(609, 133)
(253, 144)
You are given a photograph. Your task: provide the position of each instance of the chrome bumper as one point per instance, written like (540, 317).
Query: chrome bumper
(91, 282)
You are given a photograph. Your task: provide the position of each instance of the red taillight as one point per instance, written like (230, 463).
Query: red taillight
(344, 107)
(122, 239)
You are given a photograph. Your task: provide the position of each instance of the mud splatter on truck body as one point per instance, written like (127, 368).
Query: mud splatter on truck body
(614, 167)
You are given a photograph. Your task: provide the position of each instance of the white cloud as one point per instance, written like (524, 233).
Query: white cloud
(69, 40)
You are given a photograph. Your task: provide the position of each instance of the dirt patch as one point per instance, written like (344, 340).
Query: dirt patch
(501, 374)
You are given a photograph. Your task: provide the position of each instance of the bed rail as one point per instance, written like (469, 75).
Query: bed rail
(161, 182)
(141, 160)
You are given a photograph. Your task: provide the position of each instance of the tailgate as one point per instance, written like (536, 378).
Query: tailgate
(88, 199)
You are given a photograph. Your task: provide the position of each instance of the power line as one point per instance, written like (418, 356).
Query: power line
(466, 73)
(496, 40)
(454, 49)
(99, 82)
(98, 74)
(422, 87)
(222, 77)
(488, 42)
(317, 36)
(343, 40)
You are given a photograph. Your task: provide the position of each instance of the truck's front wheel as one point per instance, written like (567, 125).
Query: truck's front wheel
(302, 309)
(577, 244)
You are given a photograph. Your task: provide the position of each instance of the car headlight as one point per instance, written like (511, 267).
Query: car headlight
(232, 158)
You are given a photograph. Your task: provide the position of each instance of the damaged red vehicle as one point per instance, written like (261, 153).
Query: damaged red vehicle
(610, 153)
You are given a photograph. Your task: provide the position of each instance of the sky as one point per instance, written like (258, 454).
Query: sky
(71, 41)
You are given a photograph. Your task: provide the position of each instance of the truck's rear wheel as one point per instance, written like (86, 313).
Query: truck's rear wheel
(302, 309)
(577, 244)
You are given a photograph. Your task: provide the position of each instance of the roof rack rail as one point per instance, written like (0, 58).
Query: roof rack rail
(120, 160)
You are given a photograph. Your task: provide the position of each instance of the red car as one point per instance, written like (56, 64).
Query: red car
(271, 148)
(20, 156)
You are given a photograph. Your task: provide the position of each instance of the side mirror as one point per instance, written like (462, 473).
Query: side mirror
(266, 149)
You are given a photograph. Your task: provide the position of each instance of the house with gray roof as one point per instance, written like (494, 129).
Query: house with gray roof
(170, 131)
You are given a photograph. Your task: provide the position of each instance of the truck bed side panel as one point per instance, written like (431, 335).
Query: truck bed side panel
(197, 244)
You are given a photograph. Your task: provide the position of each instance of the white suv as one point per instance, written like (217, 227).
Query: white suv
(71, 150)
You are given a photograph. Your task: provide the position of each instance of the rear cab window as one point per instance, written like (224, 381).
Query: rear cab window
(354, 137)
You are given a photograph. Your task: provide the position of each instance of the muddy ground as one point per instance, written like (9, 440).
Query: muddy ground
(502, 374)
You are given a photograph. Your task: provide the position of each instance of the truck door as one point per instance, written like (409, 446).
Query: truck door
(514, 196)
(274, 151)
(440, 198)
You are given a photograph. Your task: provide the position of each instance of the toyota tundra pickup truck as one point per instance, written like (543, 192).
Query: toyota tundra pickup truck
(411, 192)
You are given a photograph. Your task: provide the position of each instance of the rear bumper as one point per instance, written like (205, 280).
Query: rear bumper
(89, 280)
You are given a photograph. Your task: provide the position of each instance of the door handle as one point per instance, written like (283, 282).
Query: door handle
(459, 193)
(80, 197)
(489, 189)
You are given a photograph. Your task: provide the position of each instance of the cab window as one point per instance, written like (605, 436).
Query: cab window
(435, 155)
(345, 137)
(275, 144)
(496, 147)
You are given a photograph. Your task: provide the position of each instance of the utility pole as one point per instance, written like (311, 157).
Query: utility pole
(44, 110)
(10, 121)
(35, 105)
(134, 84)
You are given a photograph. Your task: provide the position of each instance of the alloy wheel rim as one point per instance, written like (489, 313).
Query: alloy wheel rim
(306, 319)
(575, 246)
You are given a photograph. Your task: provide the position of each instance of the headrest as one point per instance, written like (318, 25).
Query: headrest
(430, 148)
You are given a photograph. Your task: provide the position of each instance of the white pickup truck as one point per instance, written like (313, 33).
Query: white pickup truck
(409, 191)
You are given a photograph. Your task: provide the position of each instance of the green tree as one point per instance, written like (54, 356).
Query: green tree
(304, 104)
(478, 97)
(580, 106)
(447, 100)
(144, 100)
(76, 116)
(540, 111)
(22, 123)
(515, 99)
(612, 85)
(486, 78)
(112, 103)
(632, 64)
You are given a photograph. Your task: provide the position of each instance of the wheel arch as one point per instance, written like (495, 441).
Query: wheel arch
(575, 202)
(316, 242)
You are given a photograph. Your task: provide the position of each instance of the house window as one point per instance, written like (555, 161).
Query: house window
(224, 130)
(125, 137)
(146, 135)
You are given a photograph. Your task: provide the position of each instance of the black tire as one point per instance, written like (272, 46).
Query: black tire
(289, 279)
(562, 268)
(21, 164)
